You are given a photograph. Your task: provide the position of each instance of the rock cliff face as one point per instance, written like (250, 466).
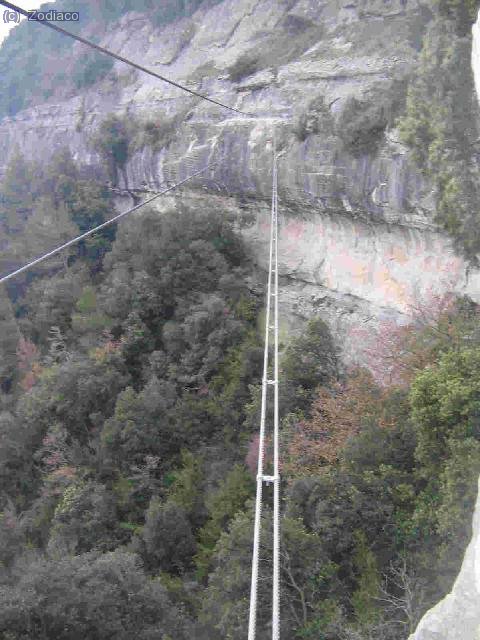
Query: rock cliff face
(457, 616)
(357, 239)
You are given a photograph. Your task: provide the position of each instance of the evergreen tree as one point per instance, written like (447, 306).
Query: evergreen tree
(9, 338)
(16, 192)
(48, 227)
(364, 597)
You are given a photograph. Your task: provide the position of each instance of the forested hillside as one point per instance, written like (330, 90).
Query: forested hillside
(130, 377)
(130, 371)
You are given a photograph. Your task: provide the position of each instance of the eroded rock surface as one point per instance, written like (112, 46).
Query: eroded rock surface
(457, 616)
(358, 240)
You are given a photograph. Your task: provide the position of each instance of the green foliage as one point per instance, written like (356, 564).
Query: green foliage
(12, 538)
(112, 142)
(306, 579)
(326, 623)
(121, 488)
(376, 445)
(365, 608)
(137, 340)
(17, 195)
(157, 262)
(58, 202)
(314, 119)
(90, 68)
(309, 361)
(409, 484)
(363, 121)
(169, 543)
(88, 596)
(458, 489)
(245, 65)
(89, 204)
(231, 383)
(49, 302)
(361, 126)
(49, 226)
(440, 124)
(445, 405)
(9, 337)
(36, 52)
(462, 12)
(246, 308)
(158, 131)
(187, 484)
(222, 506)
(137, 436)
(89, 319)
(77, 394)
(141, 425)
(445, 414)
(84, 519)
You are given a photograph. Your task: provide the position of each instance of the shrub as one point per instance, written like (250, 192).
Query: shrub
(462, 12)
(245, 65)
(223, 505)
(313, 120)
(88, 596)
(362, 123)
(168, 538)
(439, 125)
(310, 360)
(361, 126)
(113, 142)
(90, 68)
(158, 133)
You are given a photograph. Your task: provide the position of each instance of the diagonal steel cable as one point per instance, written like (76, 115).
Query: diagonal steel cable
(135, 65)
(100, 226)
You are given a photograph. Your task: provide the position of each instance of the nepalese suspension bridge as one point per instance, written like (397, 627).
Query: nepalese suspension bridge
(270, 379)
(271, 331)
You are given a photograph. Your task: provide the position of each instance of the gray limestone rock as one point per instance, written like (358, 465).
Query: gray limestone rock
(358, 241)
(457, 616)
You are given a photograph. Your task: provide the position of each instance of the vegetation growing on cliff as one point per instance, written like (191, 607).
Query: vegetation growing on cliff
(43, 206)
(90, 68)
(293, 36)
(130, 378)
(246, 65)
(440, 122)
(362, 122)
(130, 386)
(113, 142)
(462, 12)
(37, 62)
(119, 136)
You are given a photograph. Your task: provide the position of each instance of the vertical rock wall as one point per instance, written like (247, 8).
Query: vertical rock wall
(476, 55)
(360, 245)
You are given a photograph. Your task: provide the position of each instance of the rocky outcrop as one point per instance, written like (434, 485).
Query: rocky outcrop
(358, 242)
(457, 616)
(476, 55)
